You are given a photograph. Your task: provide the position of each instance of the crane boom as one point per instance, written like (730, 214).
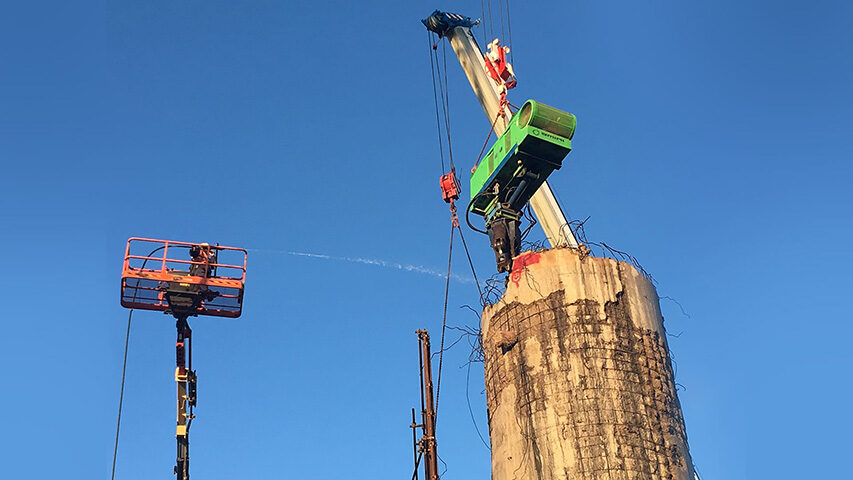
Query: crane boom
(457, 29)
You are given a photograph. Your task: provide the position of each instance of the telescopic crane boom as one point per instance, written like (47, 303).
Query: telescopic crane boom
(490, 90)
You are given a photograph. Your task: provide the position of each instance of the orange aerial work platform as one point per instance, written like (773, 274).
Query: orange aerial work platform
(183, 279)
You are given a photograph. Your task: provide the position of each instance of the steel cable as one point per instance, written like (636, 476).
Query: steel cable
(491, 30)
(501, 12)
(124, 367)
(121, 393)
(471, 263)
(483, 15)
(446, 104)
(509, 30)
(432, 61)
(444, 321)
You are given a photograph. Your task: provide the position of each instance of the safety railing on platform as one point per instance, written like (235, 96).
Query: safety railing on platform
(153, 266)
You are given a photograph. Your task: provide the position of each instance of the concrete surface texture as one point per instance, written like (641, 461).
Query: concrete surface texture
(579, 383)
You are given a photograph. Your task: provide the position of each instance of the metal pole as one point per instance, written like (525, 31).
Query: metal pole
(414, 426)
(428, 412)
(185, 378)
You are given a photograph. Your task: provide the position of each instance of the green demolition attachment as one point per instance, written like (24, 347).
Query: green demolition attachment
(535, 143)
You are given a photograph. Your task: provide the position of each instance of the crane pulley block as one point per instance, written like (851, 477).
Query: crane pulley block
(183, 279)
(450, 190)
(441, 23)
(534, 145)
(450, 187)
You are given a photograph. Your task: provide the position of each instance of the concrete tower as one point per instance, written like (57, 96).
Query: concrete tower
(579, 382)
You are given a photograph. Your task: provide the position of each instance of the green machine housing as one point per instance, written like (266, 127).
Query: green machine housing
(537, 140)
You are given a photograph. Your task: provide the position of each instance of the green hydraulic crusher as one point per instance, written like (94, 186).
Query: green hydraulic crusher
(535, 143)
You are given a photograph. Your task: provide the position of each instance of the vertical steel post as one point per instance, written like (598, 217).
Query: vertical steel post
(428, 412)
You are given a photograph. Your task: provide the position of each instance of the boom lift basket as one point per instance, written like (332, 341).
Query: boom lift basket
(198, 278)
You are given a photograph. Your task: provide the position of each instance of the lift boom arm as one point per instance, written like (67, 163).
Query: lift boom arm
(457, 29)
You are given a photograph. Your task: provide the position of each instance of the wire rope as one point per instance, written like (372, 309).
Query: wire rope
(491, 23)
(483, 16)
(444, 320)
(432, 61)
(471, 263)
(509, 31)
(491, 129)
(471, 410)
(501, 13)
(441, 95)
(121, 393)
(124, 368)
(446, 91)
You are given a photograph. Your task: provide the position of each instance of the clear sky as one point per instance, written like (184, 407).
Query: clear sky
(713, 143)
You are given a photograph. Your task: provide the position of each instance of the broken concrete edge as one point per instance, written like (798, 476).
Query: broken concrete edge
(529, 262)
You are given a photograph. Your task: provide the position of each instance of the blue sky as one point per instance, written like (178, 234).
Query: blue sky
(712, 144)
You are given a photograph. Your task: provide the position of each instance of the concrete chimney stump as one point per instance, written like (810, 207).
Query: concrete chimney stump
(579, 382)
